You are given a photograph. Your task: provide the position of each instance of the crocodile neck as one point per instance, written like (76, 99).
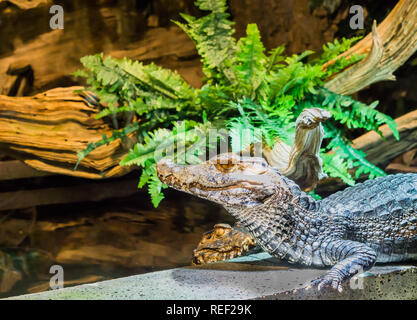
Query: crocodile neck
(278, 223)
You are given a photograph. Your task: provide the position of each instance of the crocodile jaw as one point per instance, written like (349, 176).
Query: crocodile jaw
(246, 185)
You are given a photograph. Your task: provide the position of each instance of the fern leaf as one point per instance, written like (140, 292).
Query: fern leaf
(212, 35)
(333, 49)
(251, 60)
(216, 6)
(155, 187)
(275, 57)
(334, 165)
(165, 81)
(355, 158)
(354, 113)
(143, 152)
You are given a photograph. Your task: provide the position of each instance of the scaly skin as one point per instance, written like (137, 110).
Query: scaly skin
(349, 231)
(215, 246)
(222, 243)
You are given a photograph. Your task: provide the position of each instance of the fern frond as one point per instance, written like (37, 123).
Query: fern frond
(254, 123)
(355, 158)
(334, 165)
(166, 82)
(355, 114)
(275, 58)
(212, 35)
(295, 79)
(215, 6)
(331, 52)
(251, 61)
(332, 49)
(142, 152)
(155, 187)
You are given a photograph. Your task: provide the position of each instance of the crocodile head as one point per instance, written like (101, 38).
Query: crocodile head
(221, 243)
(227, 179)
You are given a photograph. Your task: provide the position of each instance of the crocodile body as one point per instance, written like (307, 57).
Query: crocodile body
(375, 221)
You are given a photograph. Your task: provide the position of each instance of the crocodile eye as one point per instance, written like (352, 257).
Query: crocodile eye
(225, 167)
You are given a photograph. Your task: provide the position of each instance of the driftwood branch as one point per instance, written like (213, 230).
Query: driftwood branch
(27, 4)
(47, 130)
(407, 162)
(301, 162)
(387, 48)
(381, 151)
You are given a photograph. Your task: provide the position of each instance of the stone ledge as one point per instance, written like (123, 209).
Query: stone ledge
(258, 276)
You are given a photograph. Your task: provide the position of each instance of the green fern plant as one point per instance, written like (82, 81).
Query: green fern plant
(333, 49)
(245, 90)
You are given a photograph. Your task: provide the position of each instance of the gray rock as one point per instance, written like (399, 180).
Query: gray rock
(257, 276)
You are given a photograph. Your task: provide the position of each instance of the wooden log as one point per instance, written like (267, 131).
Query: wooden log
(86, 192)
(170, 47)
(47, 130)
(381, 151)
(15, 169)
(399, 167)
(28, 4)
(388, 47)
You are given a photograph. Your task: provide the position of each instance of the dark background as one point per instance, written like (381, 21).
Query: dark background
(142, 29)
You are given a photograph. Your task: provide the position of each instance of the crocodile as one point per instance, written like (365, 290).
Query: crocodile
(300, 162)
(222, 243)
(349, 231)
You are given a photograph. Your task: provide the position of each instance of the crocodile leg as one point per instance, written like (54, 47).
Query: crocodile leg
(351, 257)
